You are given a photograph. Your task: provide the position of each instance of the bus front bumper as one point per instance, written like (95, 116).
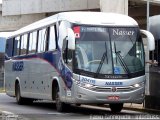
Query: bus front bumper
(86, 96)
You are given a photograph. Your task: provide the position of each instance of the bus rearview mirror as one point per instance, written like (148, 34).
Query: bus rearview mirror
(151, 41)
(62, 33)
(66, 34)
(62, 30)
(71, 39)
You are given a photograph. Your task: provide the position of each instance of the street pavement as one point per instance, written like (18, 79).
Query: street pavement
(45, 110)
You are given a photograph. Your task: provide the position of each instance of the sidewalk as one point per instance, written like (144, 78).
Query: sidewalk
(139, 107)
(133, 106)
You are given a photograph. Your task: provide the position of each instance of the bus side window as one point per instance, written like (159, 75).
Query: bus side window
(17, 43)
(9, 47)
(32, 42)
(23, 44)
(42, 40)
(52, 39)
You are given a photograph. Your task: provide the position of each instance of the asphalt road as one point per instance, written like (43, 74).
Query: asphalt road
(45, 110)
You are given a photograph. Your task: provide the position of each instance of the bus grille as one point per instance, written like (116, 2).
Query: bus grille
(109, 89)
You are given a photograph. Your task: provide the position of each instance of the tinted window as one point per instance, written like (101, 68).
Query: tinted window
(32, 42)
(52, 40)
(17, 43)
(24, 44)
(42, 40)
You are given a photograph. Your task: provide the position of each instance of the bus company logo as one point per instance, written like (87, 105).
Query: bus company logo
(114, 83)
(122, 32)
(114, 89)
(18, 66)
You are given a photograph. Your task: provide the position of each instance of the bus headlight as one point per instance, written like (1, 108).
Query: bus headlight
(138, 85)
(86, 85)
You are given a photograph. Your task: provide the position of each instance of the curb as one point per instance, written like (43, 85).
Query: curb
(153, 111)
(143, 110)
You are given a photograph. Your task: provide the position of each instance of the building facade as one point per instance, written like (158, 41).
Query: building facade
(15, 14)
(18, 13)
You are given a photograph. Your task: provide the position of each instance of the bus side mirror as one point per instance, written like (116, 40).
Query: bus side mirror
(62, 30)
(151, 41)
(71, 39)
(62, 33)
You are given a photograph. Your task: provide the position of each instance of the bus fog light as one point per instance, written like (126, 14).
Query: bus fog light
(79, 96)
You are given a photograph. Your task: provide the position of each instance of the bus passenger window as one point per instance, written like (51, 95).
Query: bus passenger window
(42, 40)
(24, 44)
(52, 39)
(17, 45)
(32, 42)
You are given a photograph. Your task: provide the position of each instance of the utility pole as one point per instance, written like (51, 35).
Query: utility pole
(148, 9)
(148, 13)
(147, 89)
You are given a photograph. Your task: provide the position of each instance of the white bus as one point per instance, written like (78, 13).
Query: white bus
(78, 58)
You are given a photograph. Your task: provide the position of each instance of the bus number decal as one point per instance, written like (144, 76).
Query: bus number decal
(18, 66)
(87, 80)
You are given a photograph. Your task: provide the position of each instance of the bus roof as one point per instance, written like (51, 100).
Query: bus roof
(4, 34)
(88, 18)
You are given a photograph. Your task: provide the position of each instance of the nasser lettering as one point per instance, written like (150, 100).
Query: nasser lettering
(122, 32)
(114, 83)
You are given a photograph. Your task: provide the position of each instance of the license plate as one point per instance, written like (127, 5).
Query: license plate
(113, 97)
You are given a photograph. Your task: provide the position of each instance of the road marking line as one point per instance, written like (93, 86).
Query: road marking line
(54, 113)
(7, 113)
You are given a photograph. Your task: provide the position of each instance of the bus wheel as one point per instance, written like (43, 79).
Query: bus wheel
(19, 99)
(60, 106)
(78, 104)
(116, 107)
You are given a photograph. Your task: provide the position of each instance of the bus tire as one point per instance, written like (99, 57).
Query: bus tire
(78, 104)
(60, 106)
(116, 107)
(19, 99)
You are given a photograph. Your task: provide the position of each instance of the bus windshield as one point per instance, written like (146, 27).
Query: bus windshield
(109, 50)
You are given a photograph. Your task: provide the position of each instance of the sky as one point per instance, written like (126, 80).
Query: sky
(3, 35)
(0, 1)
(2, 44)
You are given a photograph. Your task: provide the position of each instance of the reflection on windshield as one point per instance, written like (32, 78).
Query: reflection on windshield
(90, 62)
(109, 50)
(128, 50)
(105, 55)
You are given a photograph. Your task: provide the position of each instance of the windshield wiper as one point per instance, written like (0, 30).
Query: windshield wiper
(122, 62)
(102, 61)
